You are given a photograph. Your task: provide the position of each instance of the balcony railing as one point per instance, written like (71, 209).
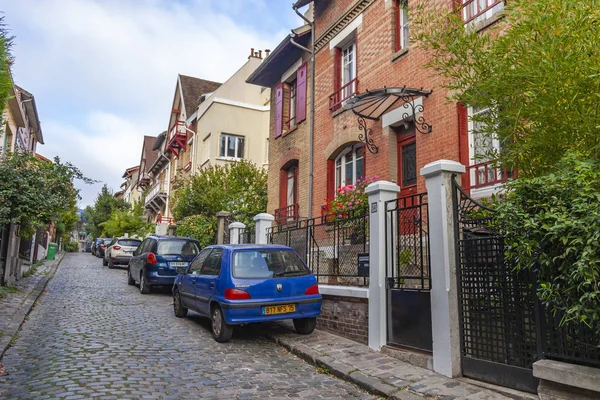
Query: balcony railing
(287, 214)
(158, 188)
(177, 138)
(485, 175)
(177, 129)
(472, 9)
(343, 94)
(169, 221)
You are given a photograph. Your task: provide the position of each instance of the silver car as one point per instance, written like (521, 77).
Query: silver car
(119, 251)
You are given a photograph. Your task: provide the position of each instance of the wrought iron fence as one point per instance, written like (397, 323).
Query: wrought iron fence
(407, 231)
(501, 318)
(330, 246)
(247, 235)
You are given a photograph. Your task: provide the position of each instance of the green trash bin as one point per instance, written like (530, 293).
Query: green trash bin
(51, 251)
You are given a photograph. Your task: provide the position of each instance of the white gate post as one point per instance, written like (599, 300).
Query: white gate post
(234, 232)
(263, 221)
(379, 192)
(444, 295)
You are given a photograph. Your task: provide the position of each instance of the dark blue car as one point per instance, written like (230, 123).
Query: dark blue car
(154, 262)
(242, 284)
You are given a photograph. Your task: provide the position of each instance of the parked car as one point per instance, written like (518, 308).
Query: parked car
(119, 251)
(95, 245)
(242, 284)
(101, 246)
(154, 261)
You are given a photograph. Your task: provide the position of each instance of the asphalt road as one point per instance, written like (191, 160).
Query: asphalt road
(93, 336)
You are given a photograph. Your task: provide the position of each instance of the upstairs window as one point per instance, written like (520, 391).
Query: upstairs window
(401, 24)
(291, 122)
(231, 146)
(345, 82)
(290, 101)
(350, 165)
(474, 11)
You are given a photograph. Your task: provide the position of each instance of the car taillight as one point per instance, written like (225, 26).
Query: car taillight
(314, 289)
(236, 294)
(103, 246)
(116, 247)
(152, 259)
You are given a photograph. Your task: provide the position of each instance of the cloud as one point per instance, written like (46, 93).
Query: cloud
(106, 69)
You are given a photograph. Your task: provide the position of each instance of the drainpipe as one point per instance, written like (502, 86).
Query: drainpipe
(312, 104)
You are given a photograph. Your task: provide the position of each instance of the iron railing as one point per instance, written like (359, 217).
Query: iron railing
(287, 214)
(407, 260)
(330, 246)
(485, 174)
(343, 94)
(158, 188)
(247, 235)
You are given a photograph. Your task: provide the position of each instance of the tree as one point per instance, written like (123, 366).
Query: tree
(537, 70)
(6, 60)
(34, 192)
(126, 221)
(102, 210)
(240, 188)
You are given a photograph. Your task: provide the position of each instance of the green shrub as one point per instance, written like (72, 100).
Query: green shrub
(552, 224)
(71, 246)
(200, 227)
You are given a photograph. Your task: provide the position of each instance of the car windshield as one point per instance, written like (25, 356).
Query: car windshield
(256, 264)
(130, 242)
(107, 241)
(177, 247)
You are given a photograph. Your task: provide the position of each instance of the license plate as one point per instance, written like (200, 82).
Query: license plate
(178, 264)
(128, 252)
(283, 309)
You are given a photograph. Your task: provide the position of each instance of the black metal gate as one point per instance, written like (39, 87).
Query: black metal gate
(497, 305)
(408, 273)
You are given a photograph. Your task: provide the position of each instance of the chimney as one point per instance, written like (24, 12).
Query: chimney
(260, 54)
(267, 51)
(252, 52)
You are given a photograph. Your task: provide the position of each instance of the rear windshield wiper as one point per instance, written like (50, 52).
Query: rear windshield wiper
(289, 273)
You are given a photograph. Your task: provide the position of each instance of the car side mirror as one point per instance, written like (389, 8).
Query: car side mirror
(180, 270)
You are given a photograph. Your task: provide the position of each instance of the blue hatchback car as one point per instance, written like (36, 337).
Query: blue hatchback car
(242, 284)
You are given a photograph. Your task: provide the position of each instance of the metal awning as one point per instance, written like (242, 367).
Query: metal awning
(373, 104)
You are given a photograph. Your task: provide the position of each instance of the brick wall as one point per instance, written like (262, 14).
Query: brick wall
(377, 66)
(345, 316)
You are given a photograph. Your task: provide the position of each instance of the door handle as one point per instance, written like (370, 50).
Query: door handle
(212, 285)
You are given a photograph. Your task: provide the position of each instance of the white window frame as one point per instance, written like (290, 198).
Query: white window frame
(341, 181)
(482, 4)
(488, 190)
(349, 49)
(404, 24)
(228, 137)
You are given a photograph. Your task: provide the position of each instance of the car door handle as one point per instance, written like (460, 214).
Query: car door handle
(212, 285)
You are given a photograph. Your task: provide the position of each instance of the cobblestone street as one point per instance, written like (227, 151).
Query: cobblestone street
(93, 336)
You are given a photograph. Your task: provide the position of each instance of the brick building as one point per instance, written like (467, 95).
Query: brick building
(360, 46)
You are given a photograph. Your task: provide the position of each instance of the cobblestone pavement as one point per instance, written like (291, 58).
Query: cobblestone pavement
(93, 336)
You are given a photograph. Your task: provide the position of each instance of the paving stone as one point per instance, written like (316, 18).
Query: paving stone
(93, 336)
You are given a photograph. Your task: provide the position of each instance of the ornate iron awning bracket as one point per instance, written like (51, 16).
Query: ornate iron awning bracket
(365, 136)
(373, 104)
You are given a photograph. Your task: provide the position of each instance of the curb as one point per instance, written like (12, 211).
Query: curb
(26, 306)
(345, 371)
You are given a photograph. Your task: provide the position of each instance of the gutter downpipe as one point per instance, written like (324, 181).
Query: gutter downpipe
(312, 103)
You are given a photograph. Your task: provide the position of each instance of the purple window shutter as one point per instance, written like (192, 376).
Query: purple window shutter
(301, 93)
(278, 110)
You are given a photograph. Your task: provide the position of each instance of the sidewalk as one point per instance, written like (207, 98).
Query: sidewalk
(15, 306)
(377, 373)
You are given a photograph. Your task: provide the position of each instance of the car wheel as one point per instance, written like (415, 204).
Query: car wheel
(304, 326)
(178, 308)
(144, 288)
(110, 263)
(130, 280)
(221, 331)
(104, 262)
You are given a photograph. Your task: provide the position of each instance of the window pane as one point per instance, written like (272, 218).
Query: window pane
(230, 146)
(240, 149)
(223, 146)
(338, 173)
(360, 167)
(291, 186)
(349, 172)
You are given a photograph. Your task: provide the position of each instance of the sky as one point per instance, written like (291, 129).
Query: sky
(103, 72)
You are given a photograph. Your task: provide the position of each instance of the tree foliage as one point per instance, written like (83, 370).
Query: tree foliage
(102, 210)
(552, 224)
(6, 60)
(239, 188)
(538, 70)
(127, 221)
(34, 192)
(201, 227)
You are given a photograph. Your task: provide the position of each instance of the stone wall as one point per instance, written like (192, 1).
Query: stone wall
(345, 316)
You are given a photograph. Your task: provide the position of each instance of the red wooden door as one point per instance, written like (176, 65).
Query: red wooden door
(407, 180)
